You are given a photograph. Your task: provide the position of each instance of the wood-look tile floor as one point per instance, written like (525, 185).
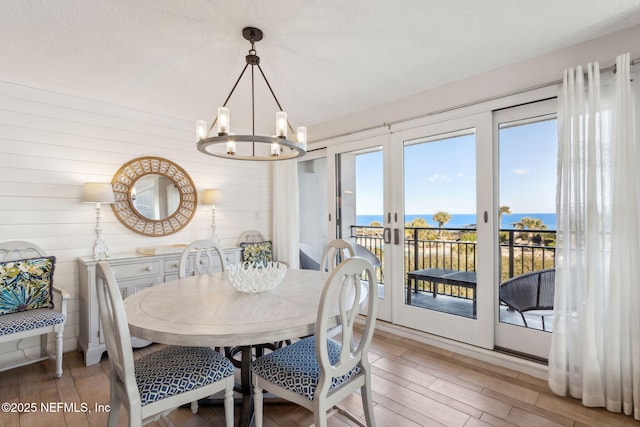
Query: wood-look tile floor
(413, 384)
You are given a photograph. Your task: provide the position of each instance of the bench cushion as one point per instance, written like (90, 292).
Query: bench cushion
(26, 284)
(26, 320)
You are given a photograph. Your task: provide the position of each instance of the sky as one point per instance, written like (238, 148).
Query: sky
(440, 175)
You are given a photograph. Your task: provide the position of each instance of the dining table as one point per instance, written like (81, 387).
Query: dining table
(207, 310)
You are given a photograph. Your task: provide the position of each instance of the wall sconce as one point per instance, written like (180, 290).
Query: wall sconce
(212, 198)
(98, 192)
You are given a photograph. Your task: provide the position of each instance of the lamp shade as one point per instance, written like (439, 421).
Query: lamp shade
(212, 197)
(97, 192)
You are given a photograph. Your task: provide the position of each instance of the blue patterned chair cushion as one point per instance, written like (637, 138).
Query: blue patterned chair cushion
(256, 252)
(295, 367)
(174, 370)
(26, 320)
(25, 284)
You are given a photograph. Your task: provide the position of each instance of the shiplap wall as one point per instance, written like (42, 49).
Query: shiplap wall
(51, 143)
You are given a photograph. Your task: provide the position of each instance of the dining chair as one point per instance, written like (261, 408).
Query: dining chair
(157, 383)
(251, 236)
(318, 372)
(202, 248)
(334, 253)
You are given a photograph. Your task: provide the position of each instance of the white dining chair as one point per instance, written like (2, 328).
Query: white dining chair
(318, 372)
(335, 252)
(251, 236)
(157, 383)
(204, 252)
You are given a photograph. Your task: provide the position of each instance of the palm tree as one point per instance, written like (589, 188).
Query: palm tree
(503, 210)
(531, 224)
(441, 217)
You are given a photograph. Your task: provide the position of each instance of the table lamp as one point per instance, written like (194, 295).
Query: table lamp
(98, 192)
(213, 198)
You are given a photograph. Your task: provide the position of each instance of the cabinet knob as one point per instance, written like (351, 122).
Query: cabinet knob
(149, 268)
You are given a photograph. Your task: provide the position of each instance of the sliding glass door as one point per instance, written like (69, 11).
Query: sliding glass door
(526, 242)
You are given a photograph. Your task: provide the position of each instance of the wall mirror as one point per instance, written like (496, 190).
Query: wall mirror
(154, 196)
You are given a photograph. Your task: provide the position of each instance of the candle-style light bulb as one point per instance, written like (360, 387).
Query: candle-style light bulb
(231, 147)
(201, 129)
(301, 133)
(275, 149)
(223, 121)
(281, 124)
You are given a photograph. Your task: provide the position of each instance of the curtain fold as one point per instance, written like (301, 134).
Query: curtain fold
(595, 346)
(286, 213)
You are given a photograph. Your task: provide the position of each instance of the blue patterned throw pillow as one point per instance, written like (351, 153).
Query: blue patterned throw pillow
(256, 253)
(26, 284)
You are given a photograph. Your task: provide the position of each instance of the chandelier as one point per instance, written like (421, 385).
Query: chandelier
(251, 147)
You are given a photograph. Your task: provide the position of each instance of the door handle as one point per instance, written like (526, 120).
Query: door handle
(396, 236)
(387, 235)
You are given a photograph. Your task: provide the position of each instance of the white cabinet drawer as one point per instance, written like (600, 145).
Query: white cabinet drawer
(131, 286)
(171, 265)
(146, 268)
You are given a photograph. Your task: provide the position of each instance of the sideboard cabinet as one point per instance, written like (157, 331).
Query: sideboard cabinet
(133, 273)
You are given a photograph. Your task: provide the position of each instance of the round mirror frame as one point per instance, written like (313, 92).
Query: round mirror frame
(123, 182)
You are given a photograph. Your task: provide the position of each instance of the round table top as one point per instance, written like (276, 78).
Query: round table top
(207, 311)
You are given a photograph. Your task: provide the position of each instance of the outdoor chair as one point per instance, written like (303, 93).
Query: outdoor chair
(310, 257)
(318, 372)
(531, 293)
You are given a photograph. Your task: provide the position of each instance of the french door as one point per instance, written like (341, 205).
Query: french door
(442, 269)
(381, 184)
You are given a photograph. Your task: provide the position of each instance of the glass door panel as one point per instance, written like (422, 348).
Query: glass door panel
(527, 147)
(440, 223)
(359, 206)
(441, 287)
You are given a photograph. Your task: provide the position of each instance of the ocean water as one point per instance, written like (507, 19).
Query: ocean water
(468, 220)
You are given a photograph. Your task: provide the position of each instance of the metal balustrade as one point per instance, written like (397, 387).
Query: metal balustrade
(521, 251)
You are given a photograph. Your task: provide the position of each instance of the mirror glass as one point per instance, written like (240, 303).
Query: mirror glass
(155, 196)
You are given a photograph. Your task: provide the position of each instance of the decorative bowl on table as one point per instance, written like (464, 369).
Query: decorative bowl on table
(251, 278)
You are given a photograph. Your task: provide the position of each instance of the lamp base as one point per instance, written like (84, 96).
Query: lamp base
(100, 250)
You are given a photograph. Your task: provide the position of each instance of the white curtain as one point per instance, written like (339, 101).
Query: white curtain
(595, 346)
(286, 213)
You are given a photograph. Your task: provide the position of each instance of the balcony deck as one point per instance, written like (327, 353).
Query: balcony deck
(464, 307)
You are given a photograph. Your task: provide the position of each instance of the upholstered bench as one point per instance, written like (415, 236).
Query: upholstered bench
(27, 300)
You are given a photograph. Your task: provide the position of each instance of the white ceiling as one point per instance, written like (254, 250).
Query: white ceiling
(323, 58)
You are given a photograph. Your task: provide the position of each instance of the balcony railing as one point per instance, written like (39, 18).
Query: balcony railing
(521, 251)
